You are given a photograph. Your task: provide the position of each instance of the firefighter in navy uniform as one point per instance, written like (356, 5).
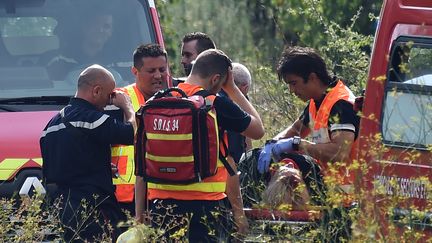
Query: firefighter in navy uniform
(75, 148)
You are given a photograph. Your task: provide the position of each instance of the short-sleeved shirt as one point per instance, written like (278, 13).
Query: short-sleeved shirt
(230, 116)
(236, 141)
(342, 117)
(76, 147)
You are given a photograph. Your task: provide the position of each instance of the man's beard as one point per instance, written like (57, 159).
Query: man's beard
(187, 69)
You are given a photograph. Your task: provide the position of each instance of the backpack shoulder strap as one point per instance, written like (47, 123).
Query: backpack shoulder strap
(222, 158)
(230, 170)
(203, 92)
(168, 93)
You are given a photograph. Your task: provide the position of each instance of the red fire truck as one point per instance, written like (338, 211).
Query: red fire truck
(396, 130)
(44, 44)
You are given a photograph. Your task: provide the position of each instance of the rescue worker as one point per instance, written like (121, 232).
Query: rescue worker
(150, 69)
(329, 118)
(200, 208)
(75, 148)
(192, 44)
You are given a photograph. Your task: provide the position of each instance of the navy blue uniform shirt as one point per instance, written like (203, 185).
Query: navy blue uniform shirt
(76, 147)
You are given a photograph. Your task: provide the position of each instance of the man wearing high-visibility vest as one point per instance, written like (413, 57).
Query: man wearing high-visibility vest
(150, 69)
(199, 210)
(329, 119)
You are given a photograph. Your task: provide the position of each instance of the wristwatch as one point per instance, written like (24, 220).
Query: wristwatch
(296, 143)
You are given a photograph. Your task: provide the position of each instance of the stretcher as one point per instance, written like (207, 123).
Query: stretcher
(284, 224)
(280, 225)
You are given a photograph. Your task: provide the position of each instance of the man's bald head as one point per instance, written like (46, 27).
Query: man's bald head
(93, 75)
(95, 84)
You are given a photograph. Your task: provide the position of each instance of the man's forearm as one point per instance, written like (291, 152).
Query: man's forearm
(236, 96)
(130, 117)
(233, 190)
(235, 199)
(234, 195)
(325, 151)
(140, 198)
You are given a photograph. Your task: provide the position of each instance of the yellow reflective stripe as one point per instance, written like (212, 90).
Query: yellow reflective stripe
(187, 159)
(12, 163)
(201, 186)
(129, 150)
(219, 163)
(213, 115)
(129, 176)
(115, 151)
(39, 161)
(134, 98)
(156, 136)
(9, 166)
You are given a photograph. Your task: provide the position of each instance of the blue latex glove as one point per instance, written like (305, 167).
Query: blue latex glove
(265, 157)
(282, 146)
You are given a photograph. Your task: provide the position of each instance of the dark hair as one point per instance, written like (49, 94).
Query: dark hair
(204, 42)
(211, 62)
(148, 50)
(302, 61)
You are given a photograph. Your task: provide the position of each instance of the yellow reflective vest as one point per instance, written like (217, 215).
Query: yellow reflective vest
(123, 156)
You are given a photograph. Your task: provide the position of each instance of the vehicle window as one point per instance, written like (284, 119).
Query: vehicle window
(407, 114)
(44, 45)
(28, 35)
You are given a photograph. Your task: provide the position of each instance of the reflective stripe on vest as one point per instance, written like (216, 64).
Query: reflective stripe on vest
(318, 125)
(123, 156)
(211, 188)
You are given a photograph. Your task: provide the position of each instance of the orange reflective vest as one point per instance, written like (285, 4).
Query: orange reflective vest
(123, 156)
(211, 188)
(318, 126)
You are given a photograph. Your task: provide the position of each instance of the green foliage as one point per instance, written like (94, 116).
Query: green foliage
(28, 221)
(225, 21)
(255, 33)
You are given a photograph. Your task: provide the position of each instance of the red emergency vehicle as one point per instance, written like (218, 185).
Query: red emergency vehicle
(44, 45)
(396, 130)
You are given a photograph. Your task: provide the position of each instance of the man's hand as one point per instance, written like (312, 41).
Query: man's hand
(265, 157)
(143, 218)
(282, 146)
(114, 170)
(229, 84)
(121, 100)
(241, 223)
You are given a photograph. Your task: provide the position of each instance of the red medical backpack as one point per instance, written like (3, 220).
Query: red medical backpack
(178, 138)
